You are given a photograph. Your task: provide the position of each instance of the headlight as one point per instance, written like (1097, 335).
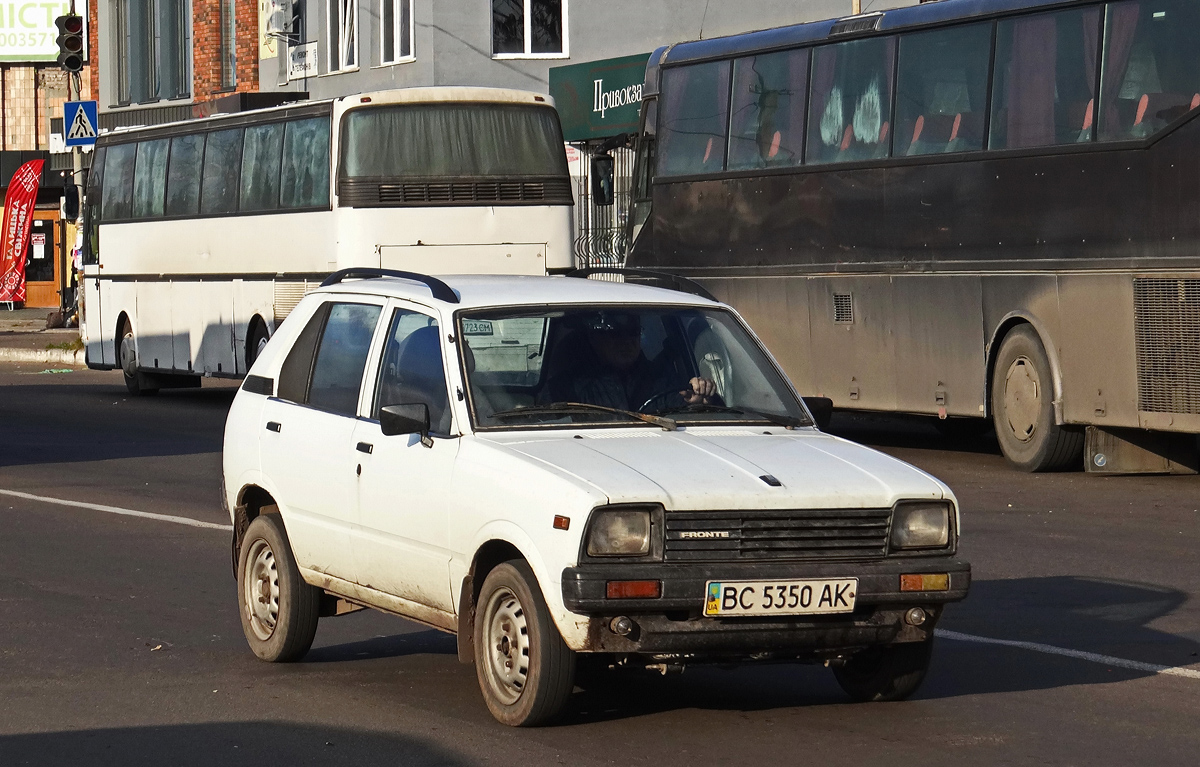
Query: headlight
(921, 525)
(619, 533)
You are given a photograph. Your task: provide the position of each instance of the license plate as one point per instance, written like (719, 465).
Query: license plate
(780, 597)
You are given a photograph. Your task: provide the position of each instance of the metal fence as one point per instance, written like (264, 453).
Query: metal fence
(600, 238)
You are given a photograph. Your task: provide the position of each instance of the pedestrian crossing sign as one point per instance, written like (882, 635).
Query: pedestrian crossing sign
(80, 119)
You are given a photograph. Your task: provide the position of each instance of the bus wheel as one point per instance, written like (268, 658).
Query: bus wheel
(1023, 407)
(256, 339)
(136, 382)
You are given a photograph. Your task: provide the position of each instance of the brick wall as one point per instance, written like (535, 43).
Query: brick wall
(206, 47)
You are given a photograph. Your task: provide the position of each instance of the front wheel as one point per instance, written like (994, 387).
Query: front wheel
(279, 610)
(1023, 407)
(525, 670)
(885, 673)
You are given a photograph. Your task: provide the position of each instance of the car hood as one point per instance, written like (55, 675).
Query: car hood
(723, 468)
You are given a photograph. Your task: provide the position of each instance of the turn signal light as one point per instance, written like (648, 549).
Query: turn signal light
(925, 582)
(634, 589)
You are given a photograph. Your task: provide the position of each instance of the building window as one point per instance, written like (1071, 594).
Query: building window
(396, 31)
(529, 28)
(228, 44)
(342, 40)
(153, 50)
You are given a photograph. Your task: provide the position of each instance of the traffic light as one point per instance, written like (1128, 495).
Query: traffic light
(70, 42)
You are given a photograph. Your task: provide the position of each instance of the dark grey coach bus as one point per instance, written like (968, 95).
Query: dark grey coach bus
(967, 208)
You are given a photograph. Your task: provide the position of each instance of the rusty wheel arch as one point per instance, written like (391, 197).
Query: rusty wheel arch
(490, 554)
(251, 502)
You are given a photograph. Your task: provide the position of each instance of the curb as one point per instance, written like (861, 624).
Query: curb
(43, 356)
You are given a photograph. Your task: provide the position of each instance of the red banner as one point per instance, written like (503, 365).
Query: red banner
(14, 236)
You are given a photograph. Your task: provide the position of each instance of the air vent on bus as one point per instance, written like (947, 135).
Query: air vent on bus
(843, 308)
(1167, 327)
(288, 293)
(374, 193)
(856, 24)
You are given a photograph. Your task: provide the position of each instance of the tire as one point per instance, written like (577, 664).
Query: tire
(888, 673)
(137, 383)
(256, 339)
(512, 624)
(1023, 407)
(278, 609)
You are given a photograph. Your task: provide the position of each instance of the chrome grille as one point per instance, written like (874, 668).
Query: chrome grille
(1167, 327)
(376, 192)
(764, 535)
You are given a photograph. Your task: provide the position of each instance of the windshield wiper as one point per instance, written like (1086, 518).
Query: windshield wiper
(667, 424)
(778, 420)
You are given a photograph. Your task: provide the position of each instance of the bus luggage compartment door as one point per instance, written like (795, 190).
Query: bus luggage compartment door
(512, 258)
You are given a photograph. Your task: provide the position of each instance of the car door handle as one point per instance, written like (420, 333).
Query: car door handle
(274, 426)
(365, 447)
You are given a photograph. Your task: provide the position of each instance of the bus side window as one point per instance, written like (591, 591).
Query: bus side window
(261, 154)
(183, 175)
(118, 182)
(695, 111)
(305, 172)
(767, 125)
(1151, 67)
(91, 210)
(222, 170)
(1044, 83)
(150, 178)
(850, 106)
(941, 92)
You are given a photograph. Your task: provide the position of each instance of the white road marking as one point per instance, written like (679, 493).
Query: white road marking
(1106, 660)
(118, 510)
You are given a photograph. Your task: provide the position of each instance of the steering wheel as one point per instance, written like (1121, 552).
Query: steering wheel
(662, 395)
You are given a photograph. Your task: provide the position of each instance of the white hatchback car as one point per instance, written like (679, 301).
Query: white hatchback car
(548, 466)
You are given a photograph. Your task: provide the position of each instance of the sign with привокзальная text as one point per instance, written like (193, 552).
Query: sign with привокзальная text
(27, 31)
(598, 99)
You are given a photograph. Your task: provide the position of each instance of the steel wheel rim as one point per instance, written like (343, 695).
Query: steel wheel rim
(1022, 398)
(261, 589)
(506, 644)
(128, 355)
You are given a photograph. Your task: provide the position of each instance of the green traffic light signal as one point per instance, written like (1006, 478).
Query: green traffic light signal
(70, 42)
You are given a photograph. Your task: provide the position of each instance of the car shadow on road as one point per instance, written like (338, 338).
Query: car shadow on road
(427, 642)
(229, 744)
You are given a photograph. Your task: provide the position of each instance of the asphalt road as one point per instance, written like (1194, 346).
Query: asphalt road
(120, 643)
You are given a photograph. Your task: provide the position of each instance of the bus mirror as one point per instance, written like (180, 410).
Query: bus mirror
(602, 179)
(70, 202)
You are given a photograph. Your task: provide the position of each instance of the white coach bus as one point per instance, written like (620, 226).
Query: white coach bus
(202, 235)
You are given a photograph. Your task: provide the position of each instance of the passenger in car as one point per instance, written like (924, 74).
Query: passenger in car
(612, 370)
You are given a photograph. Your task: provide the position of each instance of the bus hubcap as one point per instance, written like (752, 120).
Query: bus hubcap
(128, 356)
(1022, 398)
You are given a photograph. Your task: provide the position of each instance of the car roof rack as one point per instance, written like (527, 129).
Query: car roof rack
(440, 290)
(672, 281)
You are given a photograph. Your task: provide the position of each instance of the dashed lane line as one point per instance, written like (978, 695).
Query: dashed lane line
(1106, 660)
(118, 510)
(957, 636)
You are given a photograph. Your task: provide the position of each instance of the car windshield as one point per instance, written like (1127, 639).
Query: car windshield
(661, 366)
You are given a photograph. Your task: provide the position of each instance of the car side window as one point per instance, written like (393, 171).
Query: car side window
(411, 370)
(325, 366)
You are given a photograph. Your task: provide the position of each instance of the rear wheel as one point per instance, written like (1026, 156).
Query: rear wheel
(885, 673)
(279, 611)
(256, 340)
(1023, 407)
(136, 382)
(525, 670)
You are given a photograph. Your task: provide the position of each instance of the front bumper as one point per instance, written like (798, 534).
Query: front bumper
(675, 624)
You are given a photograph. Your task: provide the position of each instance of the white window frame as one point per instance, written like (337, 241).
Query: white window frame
(528, 54)
(348, 29)
(396, 32)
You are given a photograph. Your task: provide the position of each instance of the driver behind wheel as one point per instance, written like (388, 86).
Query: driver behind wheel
(613, 371)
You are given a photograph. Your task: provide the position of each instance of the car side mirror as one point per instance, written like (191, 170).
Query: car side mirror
(602, 180)
(406, 419)
(821, 409)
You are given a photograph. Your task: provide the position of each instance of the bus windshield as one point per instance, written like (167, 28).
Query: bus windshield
(452, 140)
(618, 366)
